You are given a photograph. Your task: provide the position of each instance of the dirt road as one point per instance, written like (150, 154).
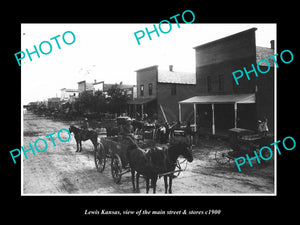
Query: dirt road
(60, 170)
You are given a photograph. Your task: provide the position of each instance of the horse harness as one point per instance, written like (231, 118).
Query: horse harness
(167, 161)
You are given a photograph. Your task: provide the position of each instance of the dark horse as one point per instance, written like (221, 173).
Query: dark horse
(141, 163)
(83, 135)
(155, 161)
(173, 152)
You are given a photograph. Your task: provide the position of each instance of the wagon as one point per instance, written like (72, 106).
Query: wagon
(241, 142)
(100, 154)
(115, 149)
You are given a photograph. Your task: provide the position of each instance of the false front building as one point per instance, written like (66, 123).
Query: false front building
(159, 91)
(218, 102)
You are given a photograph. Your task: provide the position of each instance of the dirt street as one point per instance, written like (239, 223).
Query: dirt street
(60, 170)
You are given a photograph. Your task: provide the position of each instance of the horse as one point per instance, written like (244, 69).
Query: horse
(83, 135)
(141, 162)
(172, 153)
(156, 161)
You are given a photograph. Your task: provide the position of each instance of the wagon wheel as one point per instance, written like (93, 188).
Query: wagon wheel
(116, 168)
(100, 157)
(222, 157)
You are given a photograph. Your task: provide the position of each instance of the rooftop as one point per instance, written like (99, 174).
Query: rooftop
(69, 90)
(176, 77)
(171, 76)
(227, 37)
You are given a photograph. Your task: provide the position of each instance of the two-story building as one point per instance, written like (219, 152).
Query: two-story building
(218, 102)
(159, 90)
(85, 86)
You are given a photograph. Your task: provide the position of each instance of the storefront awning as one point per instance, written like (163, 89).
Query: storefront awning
(140, 101)
(215, 99)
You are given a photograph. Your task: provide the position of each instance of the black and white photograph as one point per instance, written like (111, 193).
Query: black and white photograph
(110, 113)
(171, 112)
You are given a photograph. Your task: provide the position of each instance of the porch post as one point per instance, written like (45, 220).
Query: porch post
(195, 117)
(235, 115)
(179, 108)
(142, 111)
(213, 118)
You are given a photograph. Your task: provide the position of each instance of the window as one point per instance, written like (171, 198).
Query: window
(221, 82)
(150, 89)
(209, 84)
(142, 90)
(173, 89)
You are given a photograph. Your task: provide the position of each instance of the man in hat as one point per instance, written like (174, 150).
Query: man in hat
(127, 128)
(85, 124)
(263, 126)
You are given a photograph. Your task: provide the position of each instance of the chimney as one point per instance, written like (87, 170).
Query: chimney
(171, 68)
(272, 44)
(95, 81)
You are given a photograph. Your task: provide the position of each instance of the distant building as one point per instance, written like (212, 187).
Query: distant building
(158, 92)
(85, 86)
(104, 87)
(68, 94)
(53, 103)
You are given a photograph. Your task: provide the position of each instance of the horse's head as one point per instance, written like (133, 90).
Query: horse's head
(185, 150)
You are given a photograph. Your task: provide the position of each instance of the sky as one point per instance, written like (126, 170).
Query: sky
(110, 52)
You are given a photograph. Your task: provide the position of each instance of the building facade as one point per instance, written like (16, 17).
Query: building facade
(127, 89)
(219, 102)
(85, 86)
(68, 94)
(159, 90)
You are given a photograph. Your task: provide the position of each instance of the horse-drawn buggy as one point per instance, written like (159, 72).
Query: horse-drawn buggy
(241, 142)
(128, 152)
(131, 154)
(115, 149)
(115, 145)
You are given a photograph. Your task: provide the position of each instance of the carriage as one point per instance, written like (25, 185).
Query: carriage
(115, 149)
(241, 142)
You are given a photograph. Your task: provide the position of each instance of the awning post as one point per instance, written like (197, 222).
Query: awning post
(213, 118)
(195, 117)
(235, 115)
(179, 109)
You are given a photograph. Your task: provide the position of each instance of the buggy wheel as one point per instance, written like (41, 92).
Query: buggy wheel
(222, 157)
(116, 168)
(100, 157)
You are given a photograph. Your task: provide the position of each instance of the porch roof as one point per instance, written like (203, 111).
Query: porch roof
(214, 99)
